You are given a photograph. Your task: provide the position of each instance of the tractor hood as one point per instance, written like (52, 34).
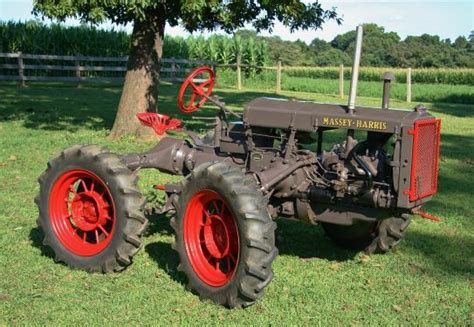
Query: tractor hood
(309, 116)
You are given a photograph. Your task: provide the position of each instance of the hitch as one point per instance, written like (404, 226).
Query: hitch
(425, 215)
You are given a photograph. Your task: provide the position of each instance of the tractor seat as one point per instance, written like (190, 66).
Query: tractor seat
(159, 122)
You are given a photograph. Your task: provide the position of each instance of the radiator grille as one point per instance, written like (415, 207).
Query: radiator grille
(425, 155)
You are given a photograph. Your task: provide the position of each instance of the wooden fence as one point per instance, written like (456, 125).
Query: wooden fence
(85, 68)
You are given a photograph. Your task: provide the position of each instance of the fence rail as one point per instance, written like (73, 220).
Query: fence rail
(84, 65)
(85, 68)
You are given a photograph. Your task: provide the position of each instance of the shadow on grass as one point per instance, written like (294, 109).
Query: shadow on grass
(167, 259)
(36, 237)
(449, 254)
(49, 107)
(293, 238)
(446, 253)
(457, 146)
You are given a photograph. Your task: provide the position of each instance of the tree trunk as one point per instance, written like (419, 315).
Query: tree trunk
(140, 90)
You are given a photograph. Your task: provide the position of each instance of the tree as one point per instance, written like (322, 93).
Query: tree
(317, 45)
(140, 90)
(375, 47)
(460, 43)
(332, 57)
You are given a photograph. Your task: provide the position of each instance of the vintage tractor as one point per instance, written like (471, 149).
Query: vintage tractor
(271, 161)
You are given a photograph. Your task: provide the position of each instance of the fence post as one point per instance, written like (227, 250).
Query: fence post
(409, 85)
(341, 80)
(173, 70)
(214, 68)
(278, 79)
(239, 80)
(21, 69)
(78, 72)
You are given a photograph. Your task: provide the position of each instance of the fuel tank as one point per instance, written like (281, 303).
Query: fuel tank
(310, 116)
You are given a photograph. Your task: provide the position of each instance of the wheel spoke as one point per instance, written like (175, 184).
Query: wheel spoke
(231, 256)
(216, 207)
(212, 206)
(204, 84)
(197, 89)
(206, 218)
(92, 186)
(84, 186)
(103, 230)
(222, 208)
(96, 236)
(192, 99)
(84, 236)
(194, 86)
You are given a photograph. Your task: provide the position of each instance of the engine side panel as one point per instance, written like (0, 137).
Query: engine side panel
(309, 116)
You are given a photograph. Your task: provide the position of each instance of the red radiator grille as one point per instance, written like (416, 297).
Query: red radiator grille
(425, 155)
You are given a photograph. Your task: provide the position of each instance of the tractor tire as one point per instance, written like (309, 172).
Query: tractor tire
(90, 209)
(225, 237)
(373, 238)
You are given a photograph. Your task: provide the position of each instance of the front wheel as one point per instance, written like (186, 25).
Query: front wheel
(224, 235)
(376, 237)
(90, 209)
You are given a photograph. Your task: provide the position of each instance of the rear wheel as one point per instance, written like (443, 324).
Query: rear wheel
(224, 235)
(91, 211)
(377, 237)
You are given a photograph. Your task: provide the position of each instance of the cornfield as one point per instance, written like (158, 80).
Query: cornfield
(36, 38)
(452, 76)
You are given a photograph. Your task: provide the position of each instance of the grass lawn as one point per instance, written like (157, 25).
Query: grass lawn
(427, 281)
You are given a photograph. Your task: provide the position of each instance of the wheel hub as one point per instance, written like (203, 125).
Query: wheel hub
(87, 210)
(216, 237)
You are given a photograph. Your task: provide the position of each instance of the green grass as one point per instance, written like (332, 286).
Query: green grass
(428, 281)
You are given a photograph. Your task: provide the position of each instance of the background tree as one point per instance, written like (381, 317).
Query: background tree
(149, 17)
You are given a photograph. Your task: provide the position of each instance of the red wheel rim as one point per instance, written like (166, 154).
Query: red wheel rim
(82, 212)
(211, 238)
(200, 92)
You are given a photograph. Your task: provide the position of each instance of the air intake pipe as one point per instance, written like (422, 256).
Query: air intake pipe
(355, 70)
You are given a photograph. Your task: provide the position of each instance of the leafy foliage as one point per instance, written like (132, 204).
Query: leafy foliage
(193, 15)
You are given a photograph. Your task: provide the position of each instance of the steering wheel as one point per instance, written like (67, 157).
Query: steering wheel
(200, 91)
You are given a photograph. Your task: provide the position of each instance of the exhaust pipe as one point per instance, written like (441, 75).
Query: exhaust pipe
(387, 79)
(355, 70)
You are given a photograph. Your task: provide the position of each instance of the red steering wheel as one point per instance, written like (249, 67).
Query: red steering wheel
(200, 91)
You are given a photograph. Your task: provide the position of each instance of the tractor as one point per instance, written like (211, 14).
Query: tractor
(272, 160)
